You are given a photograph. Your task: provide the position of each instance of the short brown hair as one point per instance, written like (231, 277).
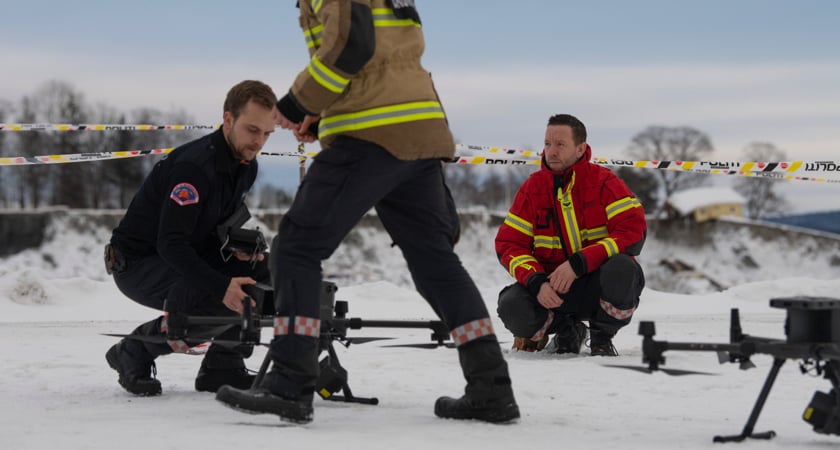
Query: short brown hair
(244, 91)
(578, 128)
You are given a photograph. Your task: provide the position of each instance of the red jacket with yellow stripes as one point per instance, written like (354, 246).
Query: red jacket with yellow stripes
(584, 215)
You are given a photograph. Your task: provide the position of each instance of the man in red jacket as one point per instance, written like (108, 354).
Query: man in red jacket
(569, 241)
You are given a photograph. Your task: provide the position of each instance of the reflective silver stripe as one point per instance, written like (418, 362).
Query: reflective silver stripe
(519, 224)
(385, 115)
(471, 331)
(548, 242)
(610, 245)
(615, 313)
(384, 17)
(618, 207)
(326, 77)
(594, 234)
(313, 36)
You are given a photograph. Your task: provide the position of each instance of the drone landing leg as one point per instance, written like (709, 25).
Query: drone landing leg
(263, 369)
(335, 367)
(762, 397)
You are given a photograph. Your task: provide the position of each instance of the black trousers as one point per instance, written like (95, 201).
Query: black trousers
(151, 282)
(605, 298)
(343, 183)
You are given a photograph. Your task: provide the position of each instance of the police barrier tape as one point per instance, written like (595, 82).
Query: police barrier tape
(99, 127)
(816, 171)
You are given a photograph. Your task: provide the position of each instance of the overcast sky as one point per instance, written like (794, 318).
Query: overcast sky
(738, 70)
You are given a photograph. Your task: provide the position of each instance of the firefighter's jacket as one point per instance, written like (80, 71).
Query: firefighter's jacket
(364, 78)
(584, 215)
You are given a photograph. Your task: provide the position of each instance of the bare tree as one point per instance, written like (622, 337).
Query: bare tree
(660, 143)
(60, 102)
(32, 180)
(760, 192)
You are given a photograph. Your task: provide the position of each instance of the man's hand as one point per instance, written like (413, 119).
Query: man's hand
(548, 297)
(235, 294)
(562, 277)
(302, 132)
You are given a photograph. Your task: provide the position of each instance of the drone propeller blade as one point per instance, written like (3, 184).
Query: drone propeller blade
(675, 372)
(428, 345)
(364, 340)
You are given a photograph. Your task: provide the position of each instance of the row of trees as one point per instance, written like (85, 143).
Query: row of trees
(111, 184)
(100, 184)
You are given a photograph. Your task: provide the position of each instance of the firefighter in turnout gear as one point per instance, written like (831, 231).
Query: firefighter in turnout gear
(383, 132)
(166, 253)
(569, 240)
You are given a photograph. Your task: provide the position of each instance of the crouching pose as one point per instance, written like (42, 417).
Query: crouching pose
(569, 240)
(167, 250)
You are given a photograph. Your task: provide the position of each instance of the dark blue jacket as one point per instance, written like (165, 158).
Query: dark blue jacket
(176, 211)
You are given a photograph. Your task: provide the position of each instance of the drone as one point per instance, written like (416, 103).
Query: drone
(334, 327)
(812, 328)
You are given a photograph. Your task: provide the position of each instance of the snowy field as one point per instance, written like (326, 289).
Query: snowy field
(57, 392)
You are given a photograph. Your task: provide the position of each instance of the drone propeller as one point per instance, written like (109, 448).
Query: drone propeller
(429, 345)
(363, 340)
(675, 372)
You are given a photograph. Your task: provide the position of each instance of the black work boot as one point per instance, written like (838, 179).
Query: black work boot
(222, 366)
(499, 408)
(135, 367)
(210, 380)
(262, 401)
(488, 396)
(600, 343)
(571, 338)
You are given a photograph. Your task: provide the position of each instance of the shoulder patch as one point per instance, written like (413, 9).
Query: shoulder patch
(184, 194)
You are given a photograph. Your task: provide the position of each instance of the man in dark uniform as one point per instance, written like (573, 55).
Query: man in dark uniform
(166, 249)
(384, 133)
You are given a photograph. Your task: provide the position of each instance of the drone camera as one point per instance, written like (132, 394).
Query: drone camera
(823, 413)
(331, 380)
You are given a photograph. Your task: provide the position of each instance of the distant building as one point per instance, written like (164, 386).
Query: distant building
(705, 203)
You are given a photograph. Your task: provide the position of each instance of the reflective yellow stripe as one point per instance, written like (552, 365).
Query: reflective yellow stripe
(385, 115)
(519, 224)
(567, 207)
(313, 36)
(384, 17)
(326, 77)
(594, 234)
(520, 261)
(550, 242)
(316, 5)
(610, 245)
(617, 207)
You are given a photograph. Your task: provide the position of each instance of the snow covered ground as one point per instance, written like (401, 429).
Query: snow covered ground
(56, 390)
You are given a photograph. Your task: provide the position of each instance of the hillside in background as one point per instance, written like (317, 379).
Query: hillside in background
(678, 257)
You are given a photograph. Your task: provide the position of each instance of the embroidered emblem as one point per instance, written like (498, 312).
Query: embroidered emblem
(184, 194)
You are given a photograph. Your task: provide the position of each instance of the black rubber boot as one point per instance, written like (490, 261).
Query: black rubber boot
(135, 366)
(262, 401)
(488, 396)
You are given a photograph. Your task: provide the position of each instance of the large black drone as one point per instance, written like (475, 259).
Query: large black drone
(334, 327)
(812, 328)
